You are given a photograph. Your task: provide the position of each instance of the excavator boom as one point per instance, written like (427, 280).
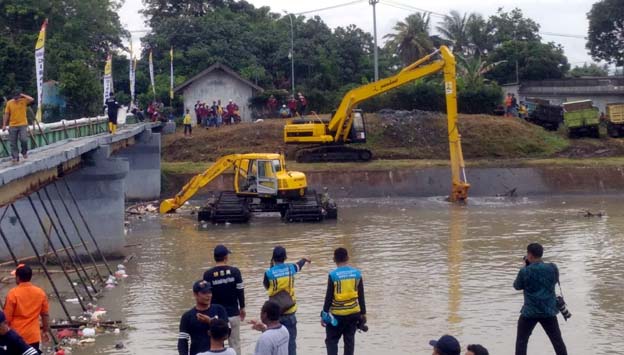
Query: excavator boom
(197, 182)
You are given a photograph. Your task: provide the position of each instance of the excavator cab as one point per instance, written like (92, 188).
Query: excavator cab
(258, 177)
(358, 127)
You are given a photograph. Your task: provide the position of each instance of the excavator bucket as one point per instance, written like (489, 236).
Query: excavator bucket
(167, 206)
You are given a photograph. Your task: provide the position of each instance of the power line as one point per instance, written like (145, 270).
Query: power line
(329, 7)
(401, 6)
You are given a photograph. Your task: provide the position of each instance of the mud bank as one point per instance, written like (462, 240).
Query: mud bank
(435, 181)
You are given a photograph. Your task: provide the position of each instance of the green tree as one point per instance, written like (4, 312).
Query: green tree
(411, 38)
(79, 35)
(536, 61)
(472, 69)
(606, 31)
(512, 26)
(589, 70)
(480, 41)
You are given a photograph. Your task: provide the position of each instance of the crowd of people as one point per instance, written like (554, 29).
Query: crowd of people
(289, 108)
(216, 115)
(219, 310)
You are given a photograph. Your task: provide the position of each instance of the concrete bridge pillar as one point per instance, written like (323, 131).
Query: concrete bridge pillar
(143, 179)
(99, 191)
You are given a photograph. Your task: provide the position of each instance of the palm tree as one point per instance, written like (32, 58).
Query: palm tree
(472, 69)
(478, 35)
(454, 29)
(411, 39)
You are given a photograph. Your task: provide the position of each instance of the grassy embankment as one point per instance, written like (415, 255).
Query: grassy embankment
(403, 143)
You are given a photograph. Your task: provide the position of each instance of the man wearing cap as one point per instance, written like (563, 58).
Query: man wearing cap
(195, 323)
(10, 342)
(15, 117)
(344, 299)
(279, 279)
(24, 305)
(228, 291)
(446, 345)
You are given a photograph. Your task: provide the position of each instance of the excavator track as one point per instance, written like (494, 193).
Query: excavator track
(306, 209)
(228, 208)
(333, 153)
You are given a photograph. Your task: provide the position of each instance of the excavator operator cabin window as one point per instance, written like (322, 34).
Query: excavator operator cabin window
(277, 166)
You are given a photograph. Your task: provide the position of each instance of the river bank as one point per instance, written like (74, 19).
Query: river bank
(424, 178)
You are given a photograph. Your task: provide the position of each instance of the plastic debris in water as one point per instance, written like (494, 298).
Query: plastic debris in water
(116, 331)
(88, 332)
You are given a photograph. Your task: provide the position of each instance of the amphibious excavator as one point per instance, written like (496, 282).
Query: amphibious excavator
(261, 184)
(331, 139)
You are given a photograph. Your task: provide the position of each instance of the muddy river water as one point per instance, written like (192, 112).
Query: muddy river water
(429, 268)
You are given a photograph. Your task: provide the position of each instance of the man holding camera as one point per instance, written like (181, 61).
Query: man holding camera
(537, 281)
(344, 310)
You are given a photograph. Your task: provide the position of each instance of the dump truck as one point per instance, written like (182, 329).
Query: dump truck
(543, 114)
(615, 120)
(261, 184)
(581, 118)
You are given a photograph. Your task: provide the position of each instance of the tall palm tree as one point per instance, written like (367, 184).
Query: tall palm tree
(454, 29)
(478, 35)
(411, 39)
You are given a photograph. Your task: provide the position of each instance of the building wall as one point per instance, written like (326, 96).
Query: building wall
(219, 85)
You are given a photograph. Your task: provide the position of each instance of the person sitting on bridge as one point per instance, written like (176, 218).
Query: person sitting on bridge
(15, 117)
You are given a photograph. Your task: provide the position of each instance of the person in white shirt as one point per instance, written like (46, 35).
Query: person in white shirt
(274, 338)
(219, 332)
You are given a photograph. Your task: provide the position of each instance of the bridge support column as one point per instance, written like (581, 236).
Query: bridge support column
(99, 190)
(143, 180)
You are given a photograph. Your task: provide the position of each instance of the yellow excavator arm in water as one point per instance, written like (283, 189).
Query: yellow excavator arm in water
(197, 182)
(338, 130)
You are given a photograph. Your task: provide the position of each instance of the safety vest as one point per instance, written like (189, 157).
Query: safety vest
(282, 278)
(346, 280)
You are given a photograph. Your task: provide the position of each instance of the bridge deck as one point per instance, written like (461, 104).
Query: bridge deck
(45, 163)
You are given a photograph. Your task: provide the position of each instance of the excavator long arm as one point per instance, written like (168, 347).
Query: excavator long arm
(197, 182)
(341, 121)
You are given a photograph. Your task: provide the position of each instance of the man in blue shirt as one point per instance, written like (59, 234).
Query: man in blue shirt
(344, 300)
(195, 323)
(280, 279)
(537, 281)
(10, 342)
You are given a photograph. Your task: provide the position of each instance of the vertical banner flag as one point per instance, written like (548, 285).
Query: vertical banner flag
(151, 70)
(171, 83)
(108, 77)
(131, 76)
(39, 61)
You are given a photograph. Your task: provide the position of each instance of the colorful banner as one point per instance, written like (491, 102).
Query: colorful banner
(151, 70)
(39, 63)
(108, 77)
(171, 74)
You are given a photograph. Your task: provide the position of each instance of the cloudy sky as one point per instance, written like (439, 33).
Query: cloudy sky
(562, 17)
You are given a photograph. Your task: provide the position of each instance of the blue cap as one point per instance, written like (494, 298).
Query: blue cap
(447, 344)
(221, 251)
(2, 317)
(202, 286)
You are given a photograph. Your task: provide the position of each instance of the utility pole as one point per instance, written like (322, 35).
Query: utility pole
(374, 2)
(292, 52)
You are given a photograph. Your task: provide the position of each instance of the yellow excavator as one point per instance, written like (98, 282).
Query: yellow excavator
(347, 124)
(261, 184)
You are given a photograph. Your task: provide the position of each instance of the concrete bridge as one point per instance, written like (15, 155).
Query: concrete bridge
(80, 172)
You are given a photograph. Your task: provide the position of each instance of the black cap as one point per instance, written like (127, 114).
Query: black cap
(279, 253)
(447, 344)
(202, 286)
(2, 317)
(221, 251)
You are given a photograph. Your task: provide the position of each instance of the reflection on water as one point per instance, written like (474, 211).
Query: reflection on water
(429, 268)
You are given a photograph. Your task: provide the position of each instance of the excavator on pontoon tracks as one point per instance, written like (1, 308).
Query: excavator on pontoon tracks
(331, 139)
(261, 184)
